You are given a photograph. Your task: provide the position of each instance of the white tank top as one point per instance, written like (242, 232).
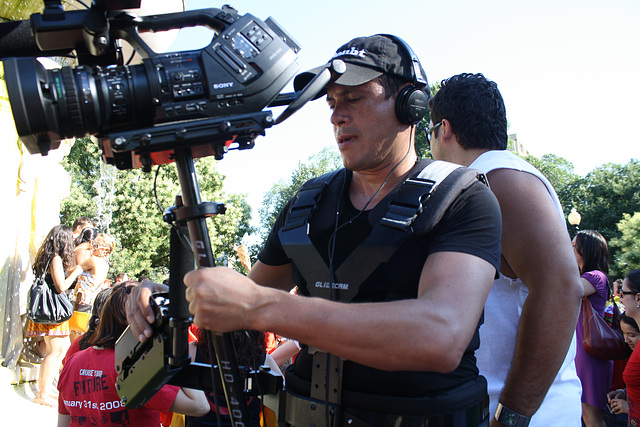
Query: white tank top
(562, 405)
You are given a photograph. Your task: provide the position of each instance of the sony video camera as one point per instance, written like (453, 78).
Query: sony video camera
(171, 107)
(206, 99)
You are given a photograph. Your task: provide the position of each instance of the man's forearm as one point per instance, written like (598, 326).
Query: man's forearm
(432, 329)
(371, 325)
(545, 332)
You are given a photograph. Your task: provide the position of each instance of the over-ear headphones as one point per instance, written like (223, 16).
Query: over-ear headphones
(411, 103)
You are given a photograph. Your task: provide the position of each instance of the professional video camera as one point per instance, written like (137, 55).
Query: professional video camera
(172, 107)
(207, 98)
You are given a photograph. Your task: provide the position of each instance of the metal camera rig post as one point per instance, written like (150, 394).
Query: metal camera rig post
(144, 368)
(173, 107)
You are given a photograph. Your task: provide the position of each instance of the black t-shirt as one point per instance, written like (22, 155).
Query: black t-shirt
(470, 225)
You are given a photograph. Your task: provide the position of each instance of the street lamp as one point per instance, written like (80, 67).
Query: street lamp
(574, 219)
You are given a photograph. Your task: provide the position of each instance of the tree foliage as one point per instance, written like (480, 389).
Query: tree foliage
(605, 195)
(627, 244)
(610, 191)
(604, 198)
(274, 200)
(127, 207)
(15, 10)
(559, 172)
(422, 146)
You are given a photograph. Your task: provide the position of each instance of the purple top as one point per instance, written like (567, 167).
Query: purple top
(594, 373)
(599, 281)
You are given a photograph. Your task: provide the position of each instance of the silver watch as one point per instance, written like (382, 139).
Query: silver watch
(511, 418)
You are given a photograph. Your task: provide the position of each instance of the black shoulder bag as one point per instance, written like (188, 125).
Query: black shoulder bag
(45, 305)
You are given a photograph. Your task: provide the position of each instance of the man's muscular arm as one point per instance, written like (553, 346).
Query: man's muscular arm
(434, 327)
(537, 248)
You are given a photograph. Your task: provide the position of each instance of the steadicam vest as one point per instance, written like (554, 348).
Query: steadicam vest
(415, 207)
(419, 204)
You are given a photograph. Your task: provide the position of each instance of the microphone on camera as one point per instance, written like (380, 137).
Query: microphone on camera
(16, 39)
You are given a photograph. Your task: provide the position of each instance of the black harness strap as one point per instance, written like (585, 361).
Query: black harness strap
(416, 198)
(395, 227)
(295, 232)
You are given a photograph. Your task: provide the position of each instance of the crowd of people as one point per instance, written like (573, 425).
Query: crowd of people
(428, 291)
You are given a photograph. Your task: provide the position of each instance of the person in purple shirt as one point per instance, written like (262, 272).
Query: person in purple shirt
(592, 255)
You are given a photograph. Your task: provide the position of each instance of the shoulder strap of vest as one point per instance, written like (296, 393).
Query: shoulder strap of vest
(437, 185)
(418, 207)
(294, 235)
(425, 195)
(307, 198)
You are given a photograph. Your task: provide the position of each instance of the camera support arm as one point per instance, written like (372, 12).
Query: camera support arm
(229, 373)
(332, 69)
(143, 368)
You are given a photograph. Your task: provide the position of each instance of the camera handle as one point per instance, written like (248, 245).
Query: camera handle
(232, 382)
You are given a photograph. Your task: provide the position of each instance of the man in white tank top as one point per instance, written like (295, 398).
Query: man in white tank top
(527, 341)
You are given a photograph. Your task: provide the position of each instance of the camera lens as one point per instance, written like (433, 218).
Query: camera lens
(50, 105)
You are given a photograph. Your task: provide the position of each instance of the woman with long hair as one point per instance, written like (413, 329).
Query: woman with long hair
(90, 376)
(81, 342)
(592, 255)
(55, 258)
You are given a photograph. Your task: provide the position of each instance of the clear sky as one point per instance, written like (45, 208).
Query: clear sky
(569, 71)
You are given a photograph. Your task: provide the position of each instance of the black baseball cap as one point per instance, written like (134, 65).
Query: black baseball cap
(367, 58)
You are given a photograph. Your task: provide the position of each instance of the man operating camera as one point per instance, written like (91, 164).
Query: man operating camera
(391, 303)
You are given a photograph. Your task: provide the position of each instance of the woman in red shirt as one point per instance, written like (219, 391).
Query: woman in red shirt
(87, 382)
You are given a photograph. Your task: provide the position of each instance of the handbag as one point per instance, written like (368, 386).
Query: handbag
(45, 305)
(599, 339)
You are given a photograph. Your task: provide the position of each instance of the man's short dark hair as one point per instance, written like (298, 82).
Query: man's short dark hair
(475, 108)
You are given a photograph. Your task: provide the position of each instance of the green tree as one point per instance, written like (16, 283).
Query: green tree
(274, 200)
(603, 198)
(422, 146)
(559, 172)
(605, 195)
(15, 10)
(627, 245)
(131, 209)
(610, 191)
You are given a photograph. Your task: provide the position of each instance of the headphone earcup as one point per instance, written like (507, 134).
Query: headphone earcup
(411, 105)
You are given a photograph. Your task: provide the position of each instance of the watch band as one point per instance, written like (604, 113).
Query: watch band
(511, 418)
